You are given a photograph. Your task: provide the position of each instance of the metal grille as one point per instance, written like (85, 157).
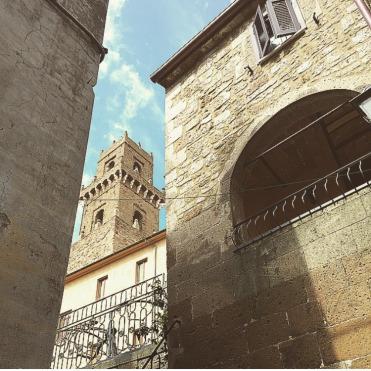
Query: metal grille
(119, 323)
(304, 203)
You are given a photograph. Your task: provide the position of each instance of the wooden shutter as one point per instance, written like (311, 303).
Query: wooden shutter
(282, 17)
(260, 32)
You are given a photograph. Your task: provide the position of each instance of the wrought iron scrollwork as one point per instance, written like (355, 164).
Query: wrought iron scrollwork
(118, 323)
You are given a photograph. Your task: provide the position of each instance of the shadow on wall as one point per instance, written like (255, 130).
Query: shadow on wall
(312, 311)
(296, 299)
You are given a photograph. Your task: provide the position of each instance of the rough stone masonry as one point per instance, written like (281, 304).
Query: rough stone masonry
(300, 298)
(48, 67)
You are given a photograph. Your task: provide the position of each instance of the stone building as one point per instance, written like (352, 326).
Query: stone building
(50, 51)
(121, 205)
(268, 142)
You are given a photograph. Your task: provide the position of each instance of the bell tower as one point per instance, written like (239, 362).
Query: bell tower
(121, 205)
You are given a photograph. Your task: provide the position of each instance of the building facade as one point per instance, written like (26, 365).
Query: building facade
(268, 142)
(49, 57)
(128, 267)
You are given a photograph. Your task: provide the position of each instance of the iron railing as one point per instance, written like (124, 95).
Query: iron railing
(303, 203)
(157, 359)
(122, 322)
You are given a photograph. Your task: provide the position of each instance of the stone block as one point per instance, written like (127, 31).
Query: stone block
(286, 267)
(350, 302)
(185, 290)
(344, 214)
(266, 358)
(361, 232)
(345, 341)
(362, 363)
(302, 352)
(282, 297)
(333, 246)
(267, 331)
(325, 280)
(250, 283)
(285, 242)
(358, 267)
(238, 314)
(305, 318)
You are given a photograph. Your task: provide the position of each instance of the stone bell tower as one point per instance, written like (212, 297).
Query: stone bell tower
(121, 206)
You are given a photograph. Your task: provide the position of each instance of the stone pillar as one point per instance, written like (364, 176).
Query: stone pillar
(48, 67)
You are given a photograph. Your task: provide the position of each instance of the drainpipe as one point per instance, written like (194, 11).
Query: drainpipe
(365, 10)
(155, 259)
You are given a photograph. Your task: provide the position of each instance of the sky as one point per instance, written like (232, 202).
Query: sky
(140, 36)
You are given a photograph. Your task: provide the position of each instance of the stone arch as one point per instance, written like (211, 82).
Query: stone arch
(277, 105)
(256, 182)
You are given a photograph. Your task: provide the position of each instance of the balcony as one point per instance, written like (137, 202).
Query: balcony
(110, 331)
(304, 203)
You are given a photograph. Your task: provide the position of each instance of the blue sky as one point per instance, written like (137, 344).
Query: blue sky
(140, 35)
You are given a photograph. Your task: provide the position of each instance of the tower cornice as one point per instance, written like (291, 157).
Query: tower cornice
(131, 179)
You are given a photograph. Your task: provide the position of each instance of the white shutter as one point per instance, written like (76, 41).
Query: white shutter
(282, 17)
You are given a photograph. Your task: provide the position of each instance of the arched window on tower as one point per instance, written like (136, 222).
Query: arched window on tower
(99, 217)
(110, 165)
(137, 167)
(138, 220)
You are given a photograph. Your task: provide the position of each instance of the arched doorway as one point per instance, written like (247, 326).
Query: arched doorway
(306, 155)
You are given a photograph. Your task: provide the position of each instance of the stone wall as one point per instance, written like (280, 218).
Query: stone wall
(301, 298)
(48, 67)
(93, 247)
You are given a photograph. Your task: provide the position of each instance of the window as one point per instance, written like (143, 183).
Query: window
(274, 23)
(137, 220)
(99, 217)
(101, 288)
(141, 271)
(110, 164)
(137, 168)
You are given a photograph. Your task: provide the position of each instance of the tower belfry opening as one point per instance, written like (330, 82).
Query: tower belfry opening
(121, 205)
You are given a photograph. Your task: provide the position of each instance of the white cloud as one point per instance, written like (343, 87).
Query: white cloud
(132, 94)
(112, 37)
(137, 94)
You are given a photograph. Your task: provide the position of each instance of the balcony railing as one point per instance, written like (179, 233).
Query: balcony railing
(303, 203)
(122, 322)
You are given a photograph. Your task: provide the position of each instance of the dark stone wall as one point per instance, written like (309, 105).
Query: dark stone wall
(48, 68)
